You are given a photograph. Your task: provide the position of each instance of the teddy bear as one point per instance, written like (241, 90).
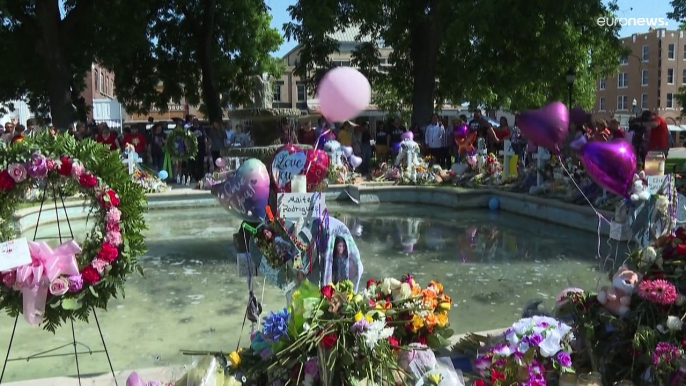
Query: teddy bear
(618, 298)
(639, 188)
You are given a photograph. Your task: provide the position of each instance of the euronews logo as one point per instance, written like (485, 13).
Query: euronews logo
(633, 22)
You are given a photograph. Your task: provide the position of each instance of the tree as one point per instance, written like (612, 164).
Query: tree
(502, 53)
(199, 50)
(45, 55)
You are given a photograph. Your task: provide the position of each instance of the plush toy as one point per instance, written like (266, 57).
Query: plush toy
(639, 188)
(618, 298)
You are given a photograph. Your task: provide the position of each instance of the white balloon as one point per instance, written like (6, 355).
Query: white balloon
(355, 161)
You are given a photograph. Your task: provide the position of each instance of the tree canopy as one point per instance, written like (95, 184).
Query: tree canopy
(499, 53)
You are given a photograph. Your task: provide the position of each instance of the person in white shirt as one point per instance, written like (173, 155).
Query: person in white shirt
(230, 134)
(8, 134)
(434, 138)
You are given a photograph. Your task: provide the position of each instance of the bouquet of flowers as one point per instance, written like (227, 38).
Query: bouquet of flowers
(148, 181)
(534, 349)
(333, 336)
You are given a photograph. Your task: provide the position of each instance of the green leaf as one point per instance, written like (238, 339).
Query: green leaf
(71, 304)
(93, 291)
(347, 359)
(436, 341)
(447, 333)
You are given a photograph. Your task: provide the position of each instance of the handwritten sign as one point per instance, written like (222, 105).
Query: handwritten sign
(657, 183)
(14, 254)
(285, 165)
(297, 205)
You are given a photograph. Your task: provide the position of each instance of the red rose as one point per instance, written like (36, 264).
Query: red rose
(88, 180)
(327, 291)
(680, 250)
(393, 341)
(90, 275)
(65, 166)
(421, 340)
(683, 343)
(389, 320)
(479, 382)
(496, 375)
(108, 252)
(329, 340)
(6, 181)
(371, 303)
(370, 282)
(108, 199)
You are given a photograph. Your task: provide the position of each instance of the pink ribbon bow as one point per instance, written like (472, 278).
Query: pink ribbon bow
(46, 266)
(135, 380)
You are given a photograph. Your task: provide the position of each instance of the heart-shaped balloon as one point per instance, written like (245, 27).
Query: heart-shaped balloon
(317, 168)
(246, 192)
(610, 164)
(288, 161)
(355, 161)
(547, 126)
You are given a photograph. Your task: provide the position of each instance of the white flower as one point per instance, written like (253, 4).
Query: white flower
(376, 331)
(503, 351)
(649, 255)
(674, 323)
(512, 338)
(388, 285)
(403, 292)
(551, 344)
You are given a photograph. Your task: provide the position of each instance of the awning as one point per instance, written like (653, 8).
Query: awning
(676, 127)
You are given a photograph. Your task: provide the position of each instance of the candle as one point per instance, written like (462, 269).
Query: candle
(298, 184)
(655, 163)
(567, 379)
(590, 379)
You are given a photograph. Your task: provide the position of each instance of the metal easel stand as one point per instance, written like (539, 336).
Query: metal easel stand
(51, 352)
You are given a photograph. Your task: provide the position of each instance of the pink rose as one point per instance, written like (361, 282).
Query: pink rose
(77, 169)
(59, 286)
(9, 278)
(113, 238)
(17, 172)
(99, 265)
(113, 215)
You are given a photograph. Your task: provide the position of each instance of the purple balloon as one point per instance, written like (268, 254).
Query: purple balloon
(578, 143)
(395, 147)
(610, 164)
(577, 116)
(355, 161)
(547, 126)
(460, 131)
(245, 193)
(407, 135)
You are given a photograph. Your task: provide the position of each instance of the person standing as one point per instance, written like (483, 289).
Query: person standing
(658, 134)
(217, 139)
(18, 134)
(382, 141)
(204, 144)
(307, 135)
(396, 136)
(156, 148)
(433, 137)
(107, 137)
(133, 137)
(8, 134)
(366, 149)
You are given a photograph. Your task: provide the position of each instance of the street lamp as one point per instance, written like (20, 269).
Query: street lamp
(634, 108)
(570, 77)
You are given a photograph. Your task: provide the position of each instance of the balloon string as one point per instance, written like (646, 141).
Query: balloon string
(316, 146)
(571, 177)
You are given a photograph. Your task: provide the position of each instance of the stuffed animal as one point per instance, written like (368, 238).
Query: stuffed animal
(618, 298)
(639, 188)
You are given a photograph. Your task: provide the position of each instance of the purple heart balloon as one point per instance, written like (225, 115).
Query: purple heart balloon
(245, 193)
(610, 164)
(547, 126)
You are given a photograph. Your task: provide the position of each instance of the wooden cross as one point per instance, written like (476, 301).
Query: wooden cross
(131, 160)
(541, 157)
(507, 154)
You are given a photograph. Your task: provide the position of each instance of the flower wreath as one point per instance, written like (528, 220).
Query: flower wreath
(174, 139)
(97, 267)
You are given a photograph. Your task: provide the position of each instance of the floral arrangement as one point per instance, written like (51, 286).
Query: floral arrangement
(333, 336)
(95, 270)
(338, 174)
(646, 343)
(181, 144)
(492, 165)
(149, 182)
(534, 349)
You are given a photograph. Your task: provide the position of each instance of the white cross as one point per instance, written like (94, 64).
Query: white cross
(482, 152)
(507, 153)
(541, 157)
(131, 160)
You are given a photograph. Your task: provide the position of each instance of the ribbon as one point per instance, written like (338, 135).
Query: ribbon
(46, 266)
(135, 380)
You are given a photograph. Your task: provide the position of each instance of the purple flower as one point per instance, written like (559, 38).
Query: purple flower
(38, 166)
(665, 352)
(360, 325)
(535, 339)
(564, 358)
(75, 283)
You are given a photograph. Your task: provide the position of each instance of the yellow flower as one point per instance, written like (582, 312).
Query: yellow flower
(358, 316)
(358, 298)
(349, 297)
(234, 359)
(435, 379)
(368, 317)
(430, 320)
(441, 319)
(417, 323)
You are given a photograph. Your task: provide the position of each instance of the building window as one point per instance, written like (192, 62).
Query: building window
(101, 81)
(644, 101)
(602, 84)
(670, 76)
(623, 80)
(624, 60)
(601, 104)
(684, 51)
(341, 63)
(622, 102)
(670, 100)
(107, 85)
(277, 91)
(671, 51)
(302, 95)
(96, 79)
(683, 77)
(645, 51)
(644, 77)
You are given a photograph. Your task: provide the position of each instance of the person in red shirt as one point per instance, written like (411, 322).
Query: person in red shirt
(658, 136)
(135, 138)
(601, 132)
(615, 129)
(108, 138)
(18, 134)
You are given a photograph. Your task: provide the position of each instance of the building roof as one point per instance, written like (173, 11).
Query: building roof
(349, 35)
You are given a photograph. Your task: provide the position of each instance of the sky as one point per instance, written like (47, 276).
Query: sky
(627, 9)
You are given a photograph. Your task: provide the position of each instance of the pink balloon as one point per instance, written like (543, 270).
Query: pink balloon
(471, 160)
(220, 162)
(610, 164)
(343, 93)
(134, 380)
(316, 168)
(547, 126)
(355, 161)
(407, 135)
